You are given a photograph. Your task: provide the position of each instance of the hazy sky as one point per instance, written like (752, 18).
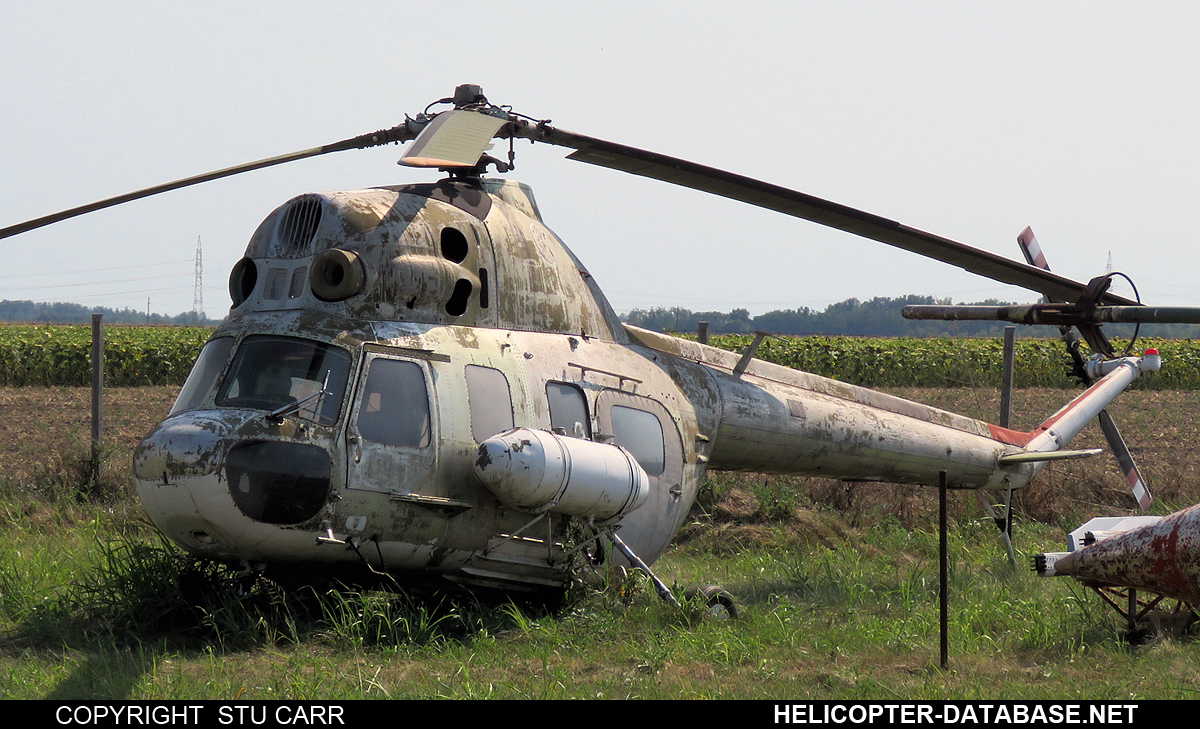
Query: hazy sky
(970, 120)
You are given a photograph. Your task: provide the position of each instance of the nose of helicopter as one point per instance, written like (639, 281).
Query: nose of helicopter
(217, 492)
(177, 471)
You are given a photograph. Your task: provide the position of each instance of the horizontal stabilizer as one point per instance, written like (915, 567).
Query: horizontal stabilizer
(1103, 527)
(1033, 457)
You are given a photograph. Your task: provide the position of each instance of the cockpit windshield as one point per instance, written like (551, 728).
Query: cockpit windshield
(272, 372)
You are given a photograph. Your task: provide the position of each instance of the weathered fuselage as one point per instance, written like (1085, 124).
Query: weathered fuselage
(405, 326)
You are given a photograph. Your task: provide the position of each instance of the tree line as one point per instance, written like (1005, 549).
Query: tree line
(878, 317)
(65, 313)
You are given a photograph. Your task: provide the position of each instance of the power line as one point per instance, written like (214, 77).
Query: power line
(92, 270)
(86, 283)
(72, 298)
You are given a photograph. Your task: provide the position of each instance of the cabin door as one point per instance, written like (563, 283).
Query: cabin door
(391, 443)
(645, 428)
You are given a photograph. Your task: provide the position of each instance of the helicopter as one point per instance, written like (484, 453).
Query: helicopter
(423, 381)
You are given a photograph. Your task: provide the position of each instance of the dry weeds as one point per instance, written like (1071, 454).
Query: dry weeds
(45, 433)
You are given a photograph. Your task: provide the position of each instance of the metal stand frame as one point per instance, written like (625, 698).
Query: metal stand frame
(1135, 608)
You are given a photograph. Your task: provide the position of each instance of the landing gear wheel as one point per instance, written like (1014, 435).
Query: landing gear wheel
(718, 603)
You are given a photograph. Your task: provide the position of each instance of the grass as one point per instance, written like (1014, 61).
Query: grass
(97, 619)
(837, 587)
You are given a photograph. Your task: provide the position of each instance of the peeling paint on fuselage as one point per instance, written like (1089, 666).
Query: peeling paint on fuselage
(534, 315)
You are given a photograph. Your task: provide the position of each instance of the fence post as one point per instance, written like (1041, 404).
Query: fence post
(1006, 385)
(97, 393)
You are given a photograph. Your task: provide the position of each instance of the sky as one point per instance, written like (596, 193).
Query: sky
(969, 120)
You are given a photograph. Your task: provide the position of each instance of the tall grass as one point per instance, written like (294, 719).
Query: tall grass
(855, 620)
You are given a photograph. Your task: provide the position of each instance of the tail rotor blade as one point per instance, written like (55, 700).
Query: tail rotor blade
(1125, 460)
(1031, 249)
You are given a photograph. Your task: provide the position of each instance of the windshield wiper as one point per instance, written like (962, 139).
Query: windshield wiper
(278, 414)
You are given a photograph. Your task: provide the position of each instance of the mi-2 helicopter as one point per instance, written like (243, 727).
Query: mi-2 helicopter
(422, 380)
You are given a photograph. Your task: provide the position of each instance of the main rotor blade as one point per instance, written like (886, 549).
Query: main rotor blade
(400, 133)
(801, 205)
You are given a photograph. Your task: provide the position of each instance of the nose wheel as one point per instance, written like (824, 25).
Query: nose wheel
(717, 602)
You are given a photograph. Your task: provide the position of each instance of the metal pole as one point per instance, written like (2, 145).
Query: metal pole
(944, 577)
(1010, 341)
(1006, 387)
(97, 392)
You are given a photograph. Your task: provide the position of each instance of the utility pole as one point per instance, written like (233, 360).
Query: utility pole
(198, 287)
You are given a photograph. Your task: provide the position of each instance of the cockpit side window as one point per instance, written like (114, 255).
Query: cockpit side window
(568, 410)
(204, 374)
(394, 409)
(270, 372)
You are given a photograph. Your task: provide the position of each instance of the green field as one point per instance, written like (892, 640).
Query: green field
(52, 355)
(837, 582)
(956, 362)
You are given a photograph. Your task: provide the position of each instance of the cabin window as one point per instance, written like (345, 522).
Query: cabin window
(204, 374)
(568, 410)
(394, 409)
(271, 372)
(490, 401)
(640, 433)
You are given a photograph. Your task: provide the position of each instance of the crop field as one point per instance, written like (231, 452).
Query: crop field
(53, 355)
(837, 585)
(906, 362)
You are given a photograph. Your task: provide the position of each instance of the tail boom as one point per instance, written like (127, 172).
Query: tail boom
(767, 418)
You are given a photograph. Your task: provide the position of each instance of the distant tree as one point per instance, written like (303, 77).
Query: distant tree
(65, 313)
(878, 317)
